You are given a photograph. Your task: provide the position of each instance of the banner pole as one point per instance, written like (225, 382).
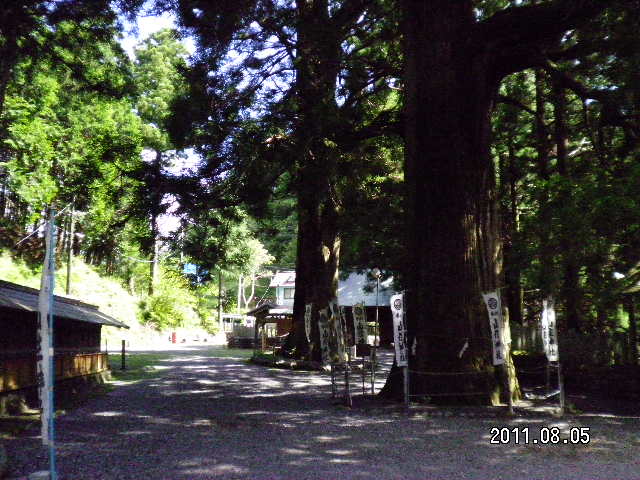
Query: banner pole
(333, 382)
(560, 388)
(373, 370)
(406, 388)
(346, 377)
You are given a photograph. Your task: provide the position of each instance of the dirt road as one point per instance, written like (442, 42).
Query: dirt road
(213, 417)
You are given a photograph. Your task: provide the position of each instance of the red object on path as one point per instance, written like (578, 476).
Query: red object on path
(173, 337)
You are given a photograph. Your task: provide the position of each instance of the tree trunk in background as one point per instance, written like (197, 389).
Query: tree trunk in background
(220, 323)
(72, 224)
(570, 286)
(3, 189)
(153, 264)
(633, 329)
(546, 278)
(453, 234)
(318, 247)
(509, 206)
(8, 60)
(155, 186)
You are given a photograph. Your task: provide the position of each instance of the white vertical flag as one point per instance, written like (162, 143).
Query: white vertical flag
(45, 351)
(307, 320)
(323, 326)
(399, 330)
(335, 321)
(360, 323)
(494, 308)
(549, 330)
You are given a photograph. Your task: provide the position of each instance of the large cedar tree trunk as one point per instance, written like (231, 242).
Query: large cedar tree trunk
(453, 234)
(318, 247)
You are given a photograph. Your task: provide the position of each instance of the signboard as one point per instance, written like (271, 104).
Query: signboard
(307, 320)
(494, 308)
(549, 330)
(323, 326)
(399, 330)
(360, 323)
(190, 269)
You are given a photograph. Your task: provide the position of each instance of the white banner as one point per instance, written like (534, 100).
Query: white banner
(399, 330)
(307, 320)
(337, 337)
(43, 367)
(549, 330)
(360, 323)
(323, 326)
(494, 308)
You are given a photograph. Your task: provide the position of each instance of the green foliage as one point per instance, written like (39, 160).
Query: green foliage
(171, 305)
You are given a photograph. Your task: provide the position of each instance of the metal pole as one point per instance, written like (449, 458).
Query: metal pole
(333, 382)
(406, 387)
(123, 365)
(346, 376)
(373, 372)
(560, 388)
(374, 356)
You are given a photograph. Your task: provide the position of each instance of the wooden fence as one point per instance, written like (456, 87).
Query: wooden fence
(19, 371)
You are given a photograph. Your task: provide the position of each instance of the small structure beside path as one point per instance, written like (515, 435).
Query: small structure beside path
(78, 358)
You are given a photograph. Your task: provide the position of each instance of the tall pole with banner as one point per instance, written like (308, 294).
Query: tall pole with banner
(400, 340)
(45, 364)
(498, 344)
(550, 345)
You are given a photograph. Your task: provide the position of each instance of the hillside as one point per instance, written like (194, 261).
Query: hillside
(90, 286)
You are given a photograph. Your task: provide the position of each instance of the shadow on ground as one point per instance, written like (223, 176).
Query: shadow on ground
(211, 416)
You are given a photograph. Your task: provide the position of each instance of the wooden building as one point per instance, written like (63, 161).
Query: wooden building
(77, 328)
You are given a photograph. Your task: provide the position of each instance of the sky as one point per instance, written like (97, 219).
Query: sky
(133, 34)
(146, 25)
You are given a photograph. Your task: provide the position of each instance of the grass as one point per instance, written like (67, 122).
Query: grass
(139, 366)
(142, 366)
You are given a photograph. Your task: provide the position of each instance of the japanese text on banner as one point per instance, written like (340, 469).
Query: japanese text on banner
(399, 330)
(360, 323)
(549, 330)
(494, 308)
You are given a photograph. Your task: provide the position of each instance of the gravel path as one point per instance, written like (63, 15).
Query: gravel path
(210, 417)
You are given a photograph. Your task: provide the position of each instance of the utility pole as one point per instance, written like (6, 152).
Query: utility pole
(46, 359)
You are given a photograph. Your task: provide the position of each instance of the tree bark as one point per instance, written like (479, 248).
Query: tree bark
(633, 329)
(318, 247)
(570, 287)
(72, 225)
(509, 215)
(546, 276)
(453, 235)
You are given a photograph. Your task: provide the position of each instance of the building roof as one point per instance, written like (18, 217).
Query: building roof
(18, 297)
(284, 279)
(351, 290)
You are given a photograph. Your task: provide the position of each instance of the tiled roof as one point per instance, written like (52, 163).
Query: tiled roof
(19, 297)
